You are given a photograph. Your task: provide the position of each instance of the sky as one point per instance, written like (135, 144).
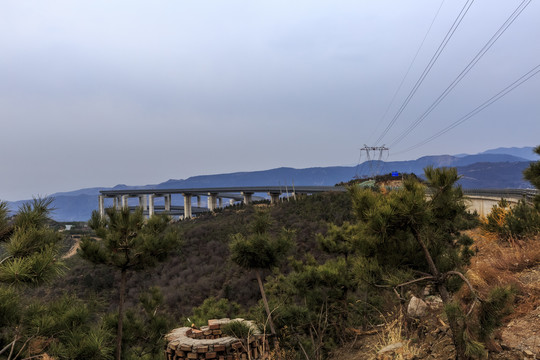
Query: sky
(99, 93)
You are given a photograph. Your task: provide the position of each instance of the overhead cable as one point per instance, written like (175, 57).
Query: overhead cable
(408, 70)
(465, 71)
(428, 67)
(524, 78)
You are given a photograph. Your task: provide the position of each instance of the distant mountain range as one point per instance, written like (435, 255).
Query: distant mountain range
(496, 168)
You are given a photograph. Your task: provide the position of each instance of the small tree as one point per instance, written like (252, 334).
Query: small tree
(128, 243)
(405, 232)
(260, 251)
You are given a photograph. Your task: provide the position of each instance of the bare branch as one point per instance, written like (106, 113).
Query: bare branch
(9, 257)
(457, 273)
(431, 278)
(475, 294)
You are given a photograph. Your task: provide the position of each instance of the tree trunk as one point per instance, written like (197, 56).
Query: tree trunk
(265, 301)
(120, 314)
(269, 314)
(446, 298)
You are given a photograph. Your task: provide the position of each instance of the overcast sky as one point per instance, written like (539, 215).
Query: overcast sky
(97, 93)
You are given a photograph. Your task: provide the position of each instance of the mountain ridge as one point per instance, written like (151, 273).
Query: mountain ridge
(483, 170)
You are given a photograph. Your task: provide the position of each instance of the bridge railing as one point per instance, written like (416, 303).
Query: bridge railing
(527, 194)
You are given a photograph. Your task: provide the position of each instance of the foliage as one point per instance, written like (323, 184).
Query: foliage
(145, 327)
(316, 304)
(213, 308)
(29, 255)
(128, 243)
(475, 332)
(402, 232)
(63, 328)
(238, 329)
(260, 251)
(30, 252)
(493, 309)
(519, 221)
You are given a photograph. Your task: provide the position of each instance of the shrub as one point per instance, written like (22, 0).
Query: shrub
(519, 221)
(214, 308)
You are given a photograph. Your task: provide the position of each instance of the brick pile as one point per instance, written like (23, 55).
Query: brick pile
(209, 342)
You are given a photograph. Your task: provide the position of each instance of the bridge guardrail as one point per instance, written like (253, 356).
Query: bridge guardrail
(503, 193)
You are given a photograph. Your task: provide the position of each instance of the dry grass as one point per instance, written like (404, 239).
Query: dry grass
(503, 263)
(393, 332)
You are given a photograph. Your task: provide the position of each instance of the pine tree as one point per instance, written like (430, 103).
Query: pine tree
(29, 256)
(260, 251)
(128, 243)
(403, 231)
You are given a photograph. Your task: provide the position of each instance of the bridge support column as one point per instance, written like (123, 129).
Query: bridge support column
(125, 201)
(115, 203)
(143, 203)
(274, 197)
(231, 202)
(198, 201)
(220, 202)
(167, 198)
(101, 201)
(187, 206)
(151, 198)
(212, 203)
(247, 197)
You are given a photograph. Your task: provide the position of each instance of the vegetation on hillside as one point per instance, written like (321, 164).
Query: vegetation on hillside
(358, 257)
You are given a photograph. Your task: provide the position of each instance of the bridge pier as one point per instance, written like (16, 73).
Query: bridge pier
(212, 203)
(248, 197)
(151, 198)
(274, 197)
(167, 198)
(101, 202)
(125, 201)
(143, 202)
(187, 206)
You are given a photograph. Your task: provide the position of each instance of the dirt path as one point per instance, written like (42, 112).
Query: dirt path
(73, 249)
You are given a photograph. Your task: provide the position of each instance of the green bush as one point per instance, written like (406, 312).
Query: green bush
(214, 308)
(519, 221)
(238, 329)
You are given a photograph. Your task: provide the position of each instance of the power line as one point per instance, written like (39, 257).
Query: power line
(524, 78)
(465, 71)
(429, 66)
(408, 70)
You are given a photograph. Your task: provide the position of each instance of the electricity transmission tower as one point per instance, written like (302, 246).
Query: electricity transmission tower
(372, 152)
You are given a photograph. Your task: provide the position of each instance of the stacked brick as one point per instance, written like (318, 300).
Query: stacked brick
(210, 343)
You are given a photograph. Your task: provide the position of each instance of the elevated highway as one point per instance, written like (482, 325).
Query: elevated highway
(215, 196)
(479, 200)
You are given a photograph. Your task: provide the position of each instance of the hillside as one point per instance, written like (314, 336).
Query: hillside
(201, 269)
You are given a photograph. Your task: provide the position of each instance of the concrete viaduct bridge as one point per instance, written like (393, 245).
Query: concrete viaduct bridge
(479, 200)
(215, 197)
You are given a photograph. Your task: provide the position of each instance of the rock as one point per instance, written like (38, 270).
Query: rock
(528, 353)
(434, 301)
(417, 307)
